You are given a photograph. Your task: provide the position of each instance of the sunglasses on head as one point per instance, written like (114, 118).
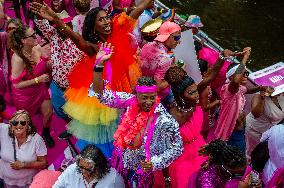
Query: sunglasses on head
(177, 38)
(16, 123)
(32, 35)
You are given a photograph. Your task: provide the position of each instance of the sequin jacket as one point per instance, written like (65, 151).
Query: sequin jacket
(166, 144)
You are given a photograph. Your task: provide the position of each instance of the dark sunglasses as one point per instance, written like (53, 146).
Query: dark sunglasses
(246, 74)
(32, 35)
(177, 38)
(10, 29)
(86, 169)
(16, 123)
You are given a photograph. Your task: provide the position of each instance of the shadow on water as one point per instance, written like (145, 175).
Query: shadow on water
(235, 24)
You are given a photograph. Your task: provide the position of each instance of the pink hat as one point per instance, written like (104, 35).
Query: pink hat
(166, 30)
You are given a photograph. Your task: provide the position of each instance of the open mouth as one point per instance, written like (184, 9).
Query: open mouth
(107, 28)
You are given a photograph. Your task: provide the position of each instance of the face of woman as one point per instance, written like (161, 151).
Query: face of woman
(86, 168)
(11, 27)
(103, 23)
(19, 125)
(191, 94)
(30, 38)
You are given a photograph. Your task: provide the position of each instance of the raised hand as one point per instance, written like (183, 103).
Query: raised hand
(104, 54)
(43, 10)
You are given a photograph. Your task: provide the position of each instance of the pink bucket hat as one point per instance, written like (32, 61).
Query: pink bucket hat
(166, 30)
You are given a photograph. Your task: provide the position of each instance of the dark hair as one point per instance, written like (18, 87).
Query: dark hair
(203, 65)
(146, 81)
(31, 128)
(2, 104)
(88, 32)
(179, 80)
(82, 6)
(15, 43)
(198, 46)
(220, 153)
(259, 156)
(94, 154)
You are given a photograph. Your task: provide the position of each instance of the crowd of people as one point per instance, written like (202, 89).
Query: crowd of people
(138, 117)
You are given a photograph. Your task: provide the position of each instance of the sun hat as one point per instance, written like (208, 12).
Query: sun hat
(193, 21)
(166, 29)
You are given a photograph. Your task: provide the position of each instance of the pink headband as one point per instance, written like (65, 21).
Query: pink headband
(146, 89)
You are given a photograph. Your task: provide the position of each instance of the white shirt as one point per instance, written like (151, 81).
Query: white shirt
(71, 178)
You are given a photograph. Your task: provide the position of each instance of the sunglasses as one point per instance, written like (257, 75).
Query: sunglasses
(246, 74)
(177, 38)
(16, 123)
(32, 35)
(10, 29)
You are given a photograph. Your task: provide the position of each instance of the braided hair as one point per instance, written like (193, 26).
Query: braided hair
(16, 44)
(88, 31)
(220, 153)
(179, 81)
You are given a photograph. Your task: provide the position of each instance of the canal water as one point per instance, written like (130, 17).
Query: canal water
(235, 24)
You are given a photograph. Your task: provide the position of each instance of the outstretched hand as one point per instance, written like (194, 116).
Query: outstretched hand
(105, 52)
(43, 10)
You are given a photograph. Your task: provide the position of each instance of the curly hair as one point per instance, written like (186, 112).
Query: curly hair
(94, 155)
(220, 153)
(31, 128)
(16, 44)
(82, 6)
(88, 31)
(146, 81)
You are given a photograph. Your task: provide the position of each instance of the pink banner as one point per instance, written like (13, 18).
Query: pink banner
(271, 76)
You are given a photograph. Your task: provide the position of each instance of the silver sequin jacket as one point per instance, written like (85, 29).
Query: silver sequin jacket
(166, 144)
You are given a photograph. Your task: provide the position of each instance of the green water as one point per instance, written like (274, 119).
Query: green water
(235, 24)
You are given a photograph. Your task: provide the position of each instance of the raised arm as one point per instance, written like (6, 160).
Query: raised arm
(46, 12)
(140, 8)
(237, 77)
(97, 89)
(214, 71)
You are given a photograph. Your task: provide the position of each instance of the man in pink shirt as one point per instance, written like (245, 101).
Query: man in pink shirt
(156, 57)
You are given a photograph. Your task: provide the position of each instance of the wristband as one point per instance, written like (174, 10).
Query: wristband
(98, 68)
(36, 80)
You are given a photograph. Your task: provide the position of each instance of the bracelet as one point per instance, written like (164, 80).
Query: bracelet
(36, 80)
(98, 68)
(168, 179)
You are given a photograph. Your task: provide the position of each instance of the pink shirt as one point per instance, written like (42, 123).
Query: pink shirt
(28, 152)
(231, 106)
(155, 61)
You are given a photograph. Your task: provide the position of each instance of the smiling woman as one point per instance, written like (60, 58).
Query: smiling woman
(23, 151)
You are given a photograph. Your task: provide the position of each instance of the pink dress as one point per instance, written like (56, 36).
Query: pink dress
(231, 106)
(30, 98)
(189, 162)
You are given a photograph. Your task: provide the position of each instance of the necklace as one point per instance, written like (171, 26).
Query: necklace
(182, 108)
